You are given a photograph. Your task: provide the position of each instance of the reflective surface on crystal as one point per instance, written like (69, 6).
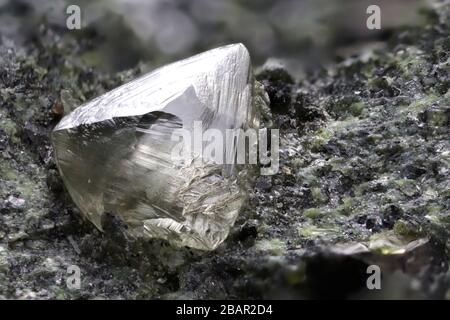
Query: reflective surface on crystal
(114, 152)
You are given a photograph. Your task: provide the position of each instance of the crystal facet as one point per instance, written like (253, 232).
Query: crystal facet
(114, 152)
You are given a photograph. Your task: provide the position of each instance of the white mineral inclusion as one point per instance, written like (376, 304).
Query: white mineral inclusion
(114, 152)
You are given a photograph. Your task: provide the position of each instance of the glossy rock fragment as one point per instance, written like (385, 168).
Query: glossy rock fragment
(114, 152)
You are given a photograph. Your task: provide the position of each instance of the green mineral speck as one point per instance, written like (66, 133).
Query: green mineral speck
(4, 266)
(320, 137)
(10, 128)
(408, 229)
(318, 196)
(419, 105)
(313, 213)
(407, 186)
(347, 206)
(312, 231)
(274, 247)
(357, 108)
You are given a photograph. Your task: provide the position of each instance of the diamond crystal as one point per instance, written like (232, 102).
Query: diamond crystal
(114, 152)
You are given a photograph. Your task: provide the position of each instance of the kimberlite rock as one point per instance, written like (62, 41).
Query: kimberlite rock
(115, 153)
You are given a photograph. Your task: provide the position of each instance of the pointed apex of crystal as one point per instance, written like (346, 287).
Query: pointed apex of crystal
(209, 73)
(114, 153)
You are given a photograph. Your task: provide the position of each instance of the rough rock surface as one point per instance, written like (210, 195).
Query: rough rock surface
(364, 179)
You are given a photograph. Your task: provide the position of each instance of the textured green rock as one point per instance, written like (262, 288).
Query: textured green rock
(365, 142)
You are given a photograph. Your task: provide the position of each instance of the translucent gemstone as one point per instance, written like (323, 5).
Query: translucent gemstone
(114, 152)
